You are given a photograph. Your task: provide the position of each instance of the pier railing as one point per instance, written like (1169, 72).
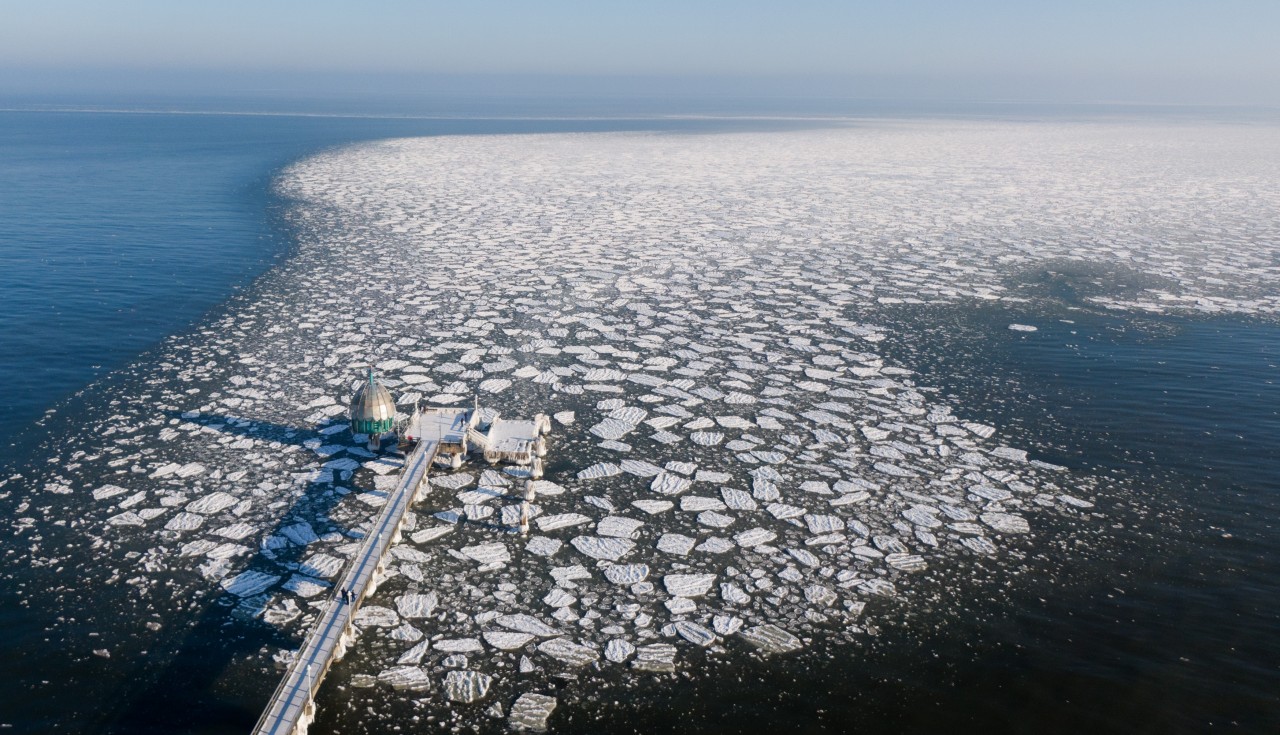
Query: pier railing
(292, 706)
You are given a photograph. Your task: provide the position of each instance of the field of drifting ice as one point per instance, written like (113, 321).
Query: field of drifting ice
(734, 464)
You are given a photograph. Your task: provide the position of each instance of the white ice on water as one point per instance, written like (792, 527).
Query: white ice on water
(735, 461)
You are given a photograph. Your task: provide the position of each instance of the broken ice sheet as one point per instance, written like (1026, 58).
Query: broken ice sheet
(466, 686)
(754, 537)
(675, 543)
(688, 585)
(603, 469)
(694, 633)
(458, 645)
(653, 507)
(627, 574)
(561, 520)
(530, 712)
(610, 549)
(376, 616)
(543, 546)
(731, 364)
(618, 650)
(416, 605)
(1006, 522)
(619, 527)
(526, 624)
(487, 553)
(655, 657)
(770, 639)
(568, 652)
(670, 484)
(304, 586)
(507, 641)
(247, 584)
(410, 678)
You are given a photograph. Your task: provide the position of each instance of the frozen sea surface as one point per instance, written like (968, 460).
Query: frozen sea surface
(707, 306)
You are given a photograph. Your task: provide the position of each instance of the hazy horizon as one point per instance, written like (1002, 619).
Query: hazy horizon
(1162, 53)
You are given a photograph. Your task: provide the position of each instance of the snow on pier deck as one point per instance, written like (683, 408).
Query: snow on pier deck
(292, 707)
(448, 427)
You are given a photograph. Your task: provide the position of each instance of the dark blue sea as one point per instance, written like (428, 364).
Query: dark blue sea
(121, 227)
(118, 228)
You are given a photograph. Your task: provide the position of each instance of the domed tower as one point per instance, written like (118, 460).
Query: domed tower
(372, 411)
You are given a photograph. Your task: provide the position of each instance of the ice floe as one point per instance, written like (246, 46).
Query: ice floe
(736, 461)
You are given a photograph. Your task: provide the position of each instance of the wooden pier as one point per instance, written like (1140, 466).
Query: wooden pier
(292, 707)
(446, 435)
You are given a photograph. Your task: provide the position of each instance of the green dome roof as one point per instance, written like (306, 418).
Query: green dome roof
(372, 410)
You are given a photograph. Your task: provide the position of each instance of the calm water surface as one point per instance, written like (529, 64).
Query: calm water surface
(119, 229)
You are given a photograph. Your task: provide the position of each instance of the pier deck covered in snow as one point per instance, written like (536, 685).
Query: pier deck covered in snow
(292, 706)
(512, 441)
(448, 427)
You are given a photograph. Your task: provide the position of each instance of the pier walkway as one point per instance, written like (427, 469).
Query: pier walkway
(292, 707)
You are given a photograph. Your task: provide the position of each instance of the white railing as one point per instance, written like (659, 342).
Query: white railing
(293, 703)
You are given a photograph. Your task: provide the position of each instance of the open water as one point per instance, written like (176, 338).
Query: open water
(118, 229)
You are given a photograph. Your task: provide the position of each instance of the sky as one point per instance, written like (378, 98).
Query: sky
(1153, 51)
